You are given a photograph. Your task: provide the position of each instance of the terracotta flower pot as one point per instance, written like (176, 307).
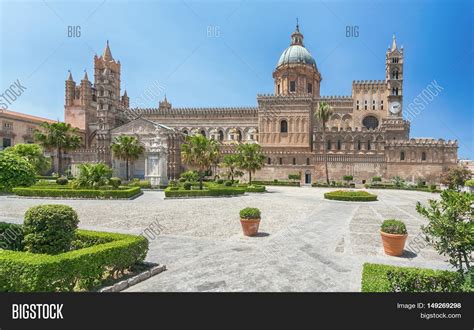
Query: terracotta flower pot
(250, 226)
(393, 244)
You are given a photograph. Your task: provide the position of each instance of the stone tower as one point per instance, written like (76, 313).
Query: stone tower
(394, 79)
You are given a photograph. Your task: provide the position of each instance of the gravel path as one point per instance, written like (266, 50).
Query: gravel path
(306, 243)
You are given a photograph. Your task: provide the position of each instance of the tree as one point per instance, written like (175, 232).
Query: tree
(451, 227)
(251, 158)
(60, 137)
(347, 178)
(34, 154)
(455, 177)
(231, 162)
(15, 171)
(127, 148)
(323, 114)
(199, 153)
(92, 176)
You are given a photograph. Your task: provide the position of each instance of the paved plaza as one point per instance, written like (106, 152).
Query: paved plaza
(306, 243)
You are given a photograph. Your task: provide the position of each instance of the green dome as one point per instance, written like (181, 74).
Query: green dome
(296, 54)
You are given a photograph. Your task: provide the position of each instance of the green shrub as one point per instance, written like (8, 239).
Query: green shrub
(220, 181)
(432, 187)
(469, 183)
(228, 183)
(255, 188)
(385, 278)
(275, 181)
(49, 229)
(187, 185)
(295, 177)
(250, 213)
(115, 182)
(80, 269)
(67, 192)
(347, 178)
(92, 176)
(351, 196)
(11, 236)
(145, 184)
(377, 179)
(62, 181)
(15, 171)
(393, 226)
(192, 176)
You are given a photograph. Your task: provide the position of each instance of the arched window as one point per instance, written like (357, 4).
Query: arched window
(280, 160)
(239, 136)
(294, 161)
(307, 161)
(370, 122)
(328, 146)
(283, 126)
(269, 161)
(423, 155)
(338, 144)
(185, 131)
(368, 145)
(402, 155)
(221, 135)
(203, 132)
(359, 145)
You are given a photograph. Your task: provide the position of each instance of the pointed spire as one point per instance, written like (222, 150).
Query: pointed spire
(125, 93)
(107, 55)
(297, 25)
(86, 78)
(394, 43)
(69, 78)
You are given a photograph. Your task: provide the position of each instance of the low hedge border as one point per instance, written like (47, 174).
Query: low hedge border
(325, 185)
(278, 183)
(382, 186)
(78, 193)
(350, 196)
(71, 271)
(386, 278)
(210, 192)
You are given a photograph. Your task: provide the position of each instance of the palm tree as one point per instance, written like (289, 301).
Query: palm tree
(127, 148)
(59, 136)
(323, 114)
(251, 158)
(200, 153)
(231, 162)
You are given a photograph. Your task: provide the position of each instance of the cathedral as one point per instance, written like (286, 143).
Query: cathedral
(366, 135)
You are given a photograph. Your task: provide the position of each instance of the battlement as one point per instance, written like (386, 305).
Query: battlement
(422, 142)
(369, 82)
(211, 111)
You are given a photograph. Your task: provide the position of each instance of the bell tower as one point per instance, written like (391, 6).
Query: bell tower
(394, 78)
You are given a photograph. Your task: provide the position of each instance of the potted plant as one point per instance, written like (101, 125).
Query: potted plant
(250, 220)
(394, 234)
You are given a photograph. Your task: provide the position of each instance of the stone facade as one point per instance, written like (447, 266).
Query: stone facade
(366, 135)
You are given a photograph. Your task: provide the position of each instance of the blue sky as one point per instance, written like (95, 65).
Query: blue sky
(222, 53)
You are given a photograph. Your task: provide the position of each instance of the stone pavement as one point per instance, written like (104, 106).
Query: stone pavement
(306, 243)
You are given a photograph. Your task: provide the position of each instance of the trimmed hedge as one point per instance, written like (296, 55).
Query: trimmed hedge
(350, 196)
(337, 185)
(145, 184)
(211, 191)
(11, 236)
(385, 278)
(36, 191)
(71, 271)
(255, 189)
(392, 186)
(275, 183)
